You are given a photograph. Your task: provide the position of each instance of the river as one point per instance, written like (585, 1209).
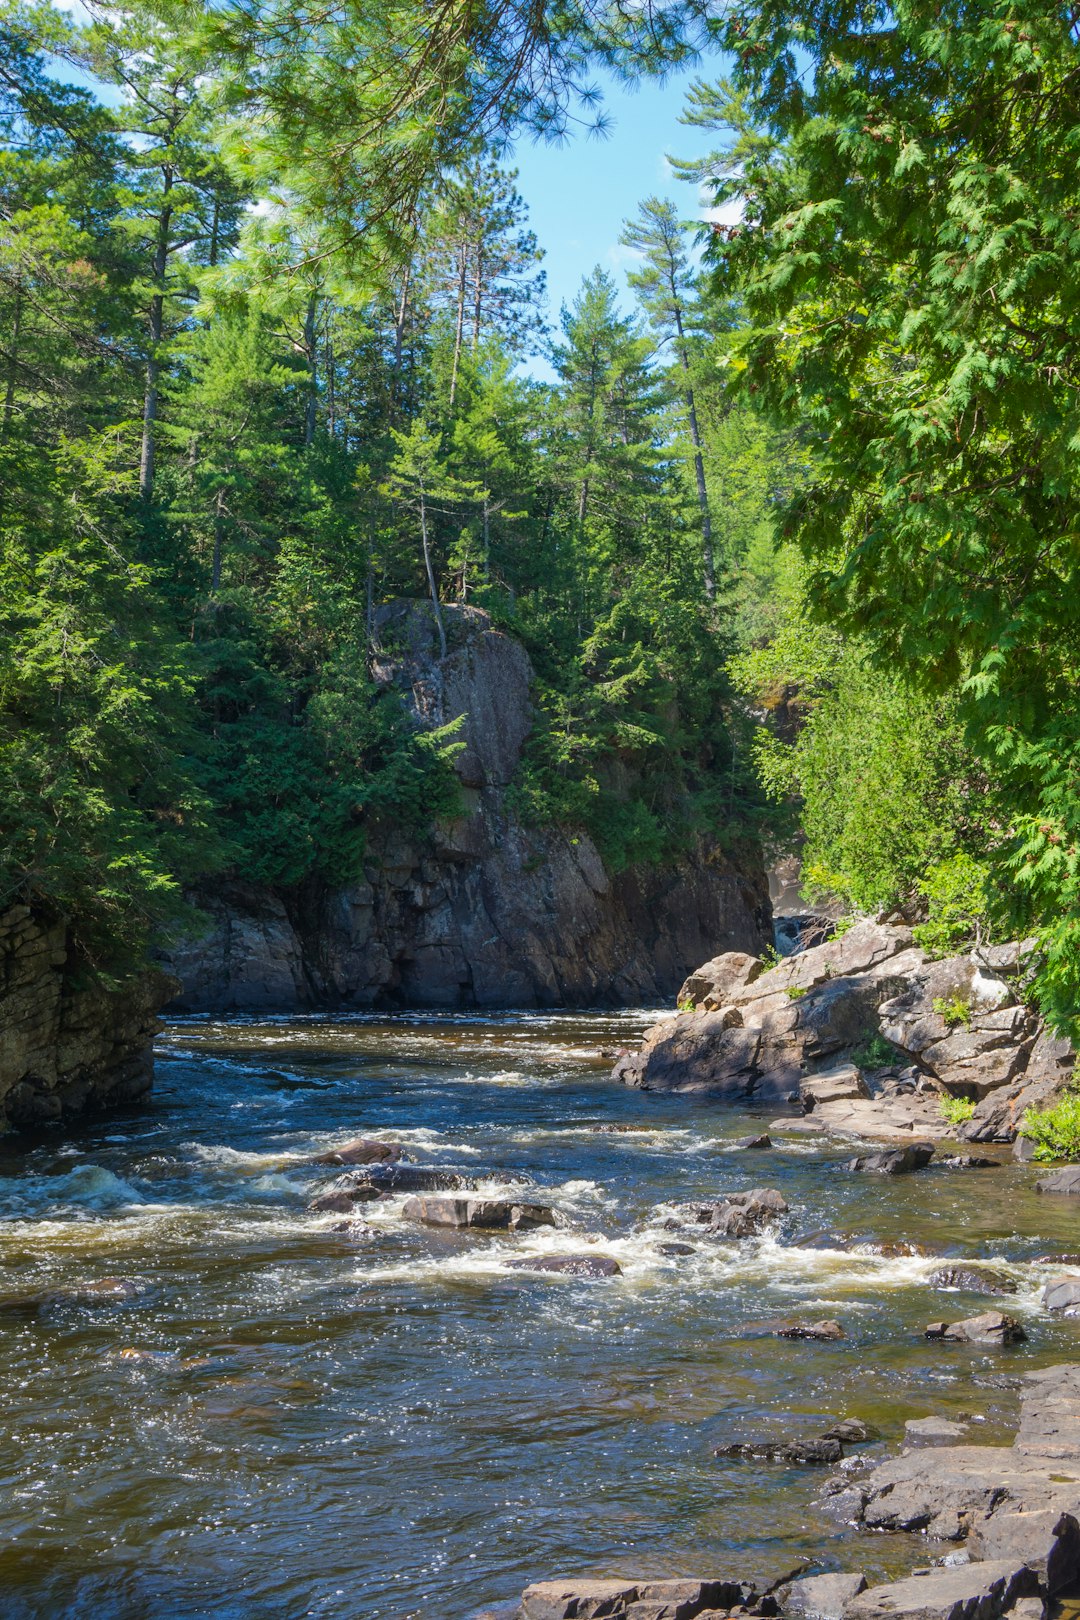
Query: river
(293, 1416)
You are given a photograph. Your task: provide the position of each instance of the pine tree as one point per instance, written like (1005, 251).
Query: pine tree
(665, 288)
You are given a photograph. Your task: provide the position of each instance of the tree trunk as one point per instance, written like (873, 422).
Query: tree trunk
(459, 324)
(156, 331)
(708, 566)
(219, 541)
(400, 317)
(431, 576)
(313, 375)
(478, 300)
(9, 392)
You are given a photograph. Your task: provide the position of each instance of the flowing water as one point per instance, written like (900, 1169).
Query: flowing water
(294, 1415)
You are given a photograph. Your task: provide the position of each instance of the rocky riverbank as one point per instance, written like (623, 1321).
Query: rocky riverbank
(484, 911)
(865, 1032)
(68, 1044)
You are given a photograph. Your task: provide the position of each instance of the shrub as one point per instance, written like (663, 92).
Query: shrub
(1056, 1131)
(953, 1009)
(957, 904)
(956, 1109)
(874, 1053)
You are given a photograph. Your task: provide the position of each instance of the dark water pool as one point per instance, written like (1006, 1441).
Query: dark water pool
(294, 1420)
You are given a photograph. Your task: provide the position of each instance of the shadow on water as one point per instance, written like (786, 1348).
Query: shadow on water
(277, 1416)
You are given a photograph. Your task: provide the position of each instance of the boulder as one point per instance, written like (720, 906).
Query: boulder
(568, 1265)
(984, 1049)
(967, 1161)
(495, 1214)
(1047, 1541)
(743, 1214)
(1062, 1296)
(991, 1328)
(716, 983)
(901, 1161)
(977, 1591)
(754, 1143)
(364, 1150)
(844, 1084)
(822, 1597)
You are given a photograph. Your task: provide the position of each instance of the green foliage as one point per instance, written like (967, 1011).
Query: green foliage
(224, 452)
(795, 992)
(1056, 1130)
(957, 895)
(953, 1009)
(955, 1110)
(906, 255)
(886, 787)
(874, 1053)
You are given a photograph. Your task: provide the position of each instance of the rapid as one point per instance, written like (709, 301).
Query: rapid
(218, 1403)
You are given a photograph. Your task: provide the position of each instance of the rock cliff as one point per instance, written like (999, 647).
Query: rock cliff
(67, 1044)
(484, 911)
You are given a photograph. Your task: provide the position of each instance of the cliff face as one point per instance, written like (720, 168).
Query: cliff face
(67, 1045)
(484, 912)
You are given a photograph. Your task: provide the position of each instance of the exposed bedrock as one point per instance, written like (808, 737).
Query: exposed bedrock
(68, 1044)
(1016, 1509)
(865, 1033)
(484, 911)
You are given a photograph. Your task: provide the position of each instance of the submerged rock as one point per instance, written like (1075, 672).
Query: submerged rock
(395, 1178)
(492, 1213)
(972, 1280)
(568, 1265)
(933, 1431)
(791, 1328)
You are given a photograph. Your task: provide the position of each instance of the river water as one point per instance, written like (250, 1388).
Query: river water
(290, 1418)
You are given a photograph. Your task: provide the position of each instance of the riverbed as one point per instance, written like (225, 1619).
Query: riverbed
(294, 1414)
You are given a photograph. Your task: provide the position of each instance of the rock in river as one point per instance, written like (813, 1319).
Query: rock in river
(1062, 1181)
(492, 1213)
(1062, 1296)
(391, 1178)
(363, 1151)
(894, 1160)
(568, 1265)
(792, 1328)
(991, 1328)
(742, 1214)
(899, 1161)
(972, 1280)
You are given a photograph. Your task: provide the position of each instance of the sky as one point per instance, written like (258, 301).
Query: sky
(580, 194)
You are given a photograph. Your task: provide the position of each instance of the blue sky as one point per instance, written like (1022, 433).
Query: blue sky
(580, 194)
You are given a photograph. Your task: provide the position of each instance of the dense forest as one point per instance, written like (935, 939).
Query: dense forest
(795, 542)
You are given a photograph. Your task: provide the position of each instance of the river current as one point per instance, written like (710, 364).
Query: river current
(293, 1415)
